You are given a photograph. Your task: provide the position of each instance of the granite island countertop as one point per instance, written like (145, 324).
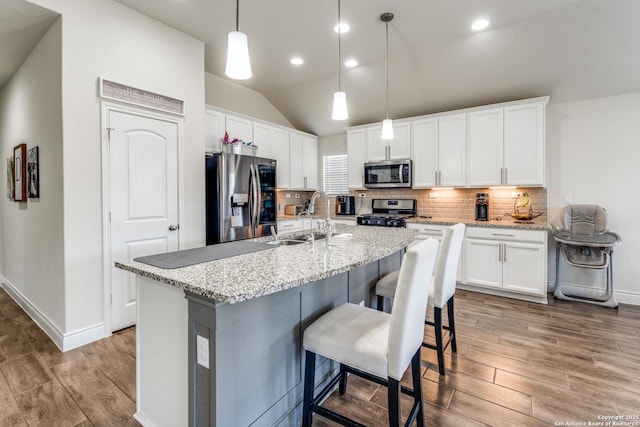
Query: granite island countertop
(252, 275)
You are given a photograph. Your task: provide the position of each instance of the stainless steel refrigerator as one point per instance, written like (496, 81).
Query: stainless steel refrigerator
(240, 197)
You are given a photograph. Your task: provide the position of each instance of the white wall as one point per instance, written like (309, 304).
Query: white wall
(593, 148)
(102, 38)
(31, 233)
(224, 93)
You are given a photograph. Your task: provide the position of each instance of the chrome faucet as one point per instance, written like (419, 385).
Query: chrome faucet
(326, 230)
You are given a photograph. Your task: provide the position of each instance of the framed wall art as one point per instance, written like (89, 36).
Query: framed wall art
(10, 178)
(33, 183)
(20, 173)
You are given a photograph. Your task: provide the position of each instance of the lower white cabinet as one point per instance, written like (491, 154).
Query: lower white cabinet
(506, 260)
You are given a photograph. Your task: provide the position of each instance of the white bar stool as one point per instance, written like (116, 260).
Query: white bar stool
(441, 291)
(374, 345)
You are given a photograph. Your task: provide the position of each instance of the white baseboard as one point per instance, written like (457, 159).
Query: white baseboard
(624, 297)
(64, 341)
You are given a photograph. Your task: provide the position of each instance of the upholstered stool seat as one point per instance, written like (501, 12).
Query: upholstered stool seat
(375, 345)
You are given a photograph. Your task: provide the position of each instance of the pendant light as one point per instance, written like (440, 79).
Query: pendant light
(238, 64)
(387, 124)
(339, 98)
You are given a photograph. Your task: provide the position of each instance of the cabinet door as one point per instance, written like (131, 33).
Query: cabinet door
(355, 158)
(279, 150)
(483, 264)
(424, 149)
(485, 145)
(213, 130)
(375, 148)
(296, 177)
(524, 268)
(238, 127)
(262, 140)
(310, 162)
(524, 144)
(400, 145)
(452, 138)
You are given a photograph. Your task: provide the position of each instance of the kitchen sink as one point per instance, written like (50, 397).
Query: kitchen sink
(287, 242)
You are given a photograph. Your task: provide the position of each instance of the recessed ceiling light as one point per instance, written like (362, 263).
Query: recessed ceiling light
(342, 28)
(350, 63)
(296, 60)
(480, 24)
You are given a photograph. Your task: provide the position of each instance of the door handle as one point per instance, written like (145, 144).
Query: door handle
(173, 227)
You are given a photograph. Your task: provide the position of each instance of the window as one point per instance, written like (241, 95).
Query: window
(335, 174)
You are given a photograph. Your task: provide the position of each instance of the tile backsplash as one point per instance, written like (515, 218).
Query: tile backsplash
(456, 204)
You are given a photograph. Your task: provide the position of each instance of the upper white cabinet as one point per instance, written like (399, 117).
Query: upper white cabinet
(506, 145)
(214, 128)
(296, 152)
(303, 171)
(438, 151)
(239, 127)
(355, 158)
(399, 147)
(273, 143)
(485, 147)
(524, 127)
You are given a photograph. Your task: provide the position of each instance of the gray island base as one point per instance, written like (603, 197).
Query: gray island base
(216, 348)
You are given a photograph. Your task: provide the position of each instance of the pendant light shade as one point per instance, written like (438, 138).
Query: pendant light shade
(339, 98)
(387, 124)
(387, 129)
(340, 106)
(238, 64)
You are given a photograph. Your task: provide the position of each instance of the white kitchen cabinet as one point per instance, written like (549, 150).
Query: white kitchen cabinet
(355, 158)
(399, 147)
(303, 163)
(485, 147)
(438, 151)
(273, 143)
(239, 127)
(524, 144)
(506, 145)
(508, 260)
(214, 128)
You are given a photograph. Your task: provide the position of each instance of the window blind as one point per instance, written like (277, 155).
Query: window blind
(335, 174)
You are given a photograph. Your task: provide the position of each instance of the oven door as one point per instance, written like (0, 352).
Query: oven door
(388, 174)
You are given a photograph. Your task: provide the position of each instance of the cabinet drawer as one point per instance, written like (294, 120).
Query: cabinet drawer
(507, 234)
(428, 230)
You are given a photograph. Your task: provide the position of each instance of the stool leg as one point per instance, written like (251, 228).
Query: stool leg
(342, 388)
(417, 387)
(309, 380)
(437, 314)
(452, 325)
(393, 402)
(380, 306)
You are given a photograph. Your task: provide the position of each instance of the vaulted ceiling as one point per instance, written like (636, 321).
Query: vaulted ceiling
(569, 49)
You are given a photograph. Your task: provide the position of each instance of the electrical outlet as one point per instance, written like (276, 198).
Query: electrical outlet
(297, 196)
(515, 194)
(362, 195)
(202, 347)
(567, 198)
(433, 195)
(287, 195)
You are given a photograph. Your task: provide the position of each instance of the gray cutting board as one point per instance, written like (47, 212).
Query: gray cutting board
(188, 257)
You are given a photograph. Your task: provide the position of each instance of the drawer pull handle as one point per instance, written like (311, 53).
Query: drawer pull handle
(502, 234)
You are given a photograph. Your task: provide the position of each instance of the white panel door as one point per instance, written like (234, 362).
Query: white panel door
(483, 263)
(524, 268)
(375, 148)
(143, 193)
(296, 174)
(238, 127)
(279, 150)
(355, 158)
(400, 145)
(310, 162)
(213, 130)
(485, 147)
(524, 144)
(452, 138)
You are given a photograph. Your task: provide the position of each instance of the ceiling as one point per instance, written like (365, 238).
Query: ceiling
(22, 25)
(569, 49)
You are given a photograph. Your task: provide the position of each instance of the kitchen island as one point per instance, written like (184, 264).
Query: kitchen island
(220, 343)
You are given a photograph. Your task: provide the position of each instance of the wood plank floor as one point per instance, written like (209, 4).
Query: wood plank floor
(518, 364)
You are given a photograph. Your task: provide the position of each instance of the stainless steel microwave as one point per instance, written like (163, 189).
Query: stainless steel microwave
(388, 174)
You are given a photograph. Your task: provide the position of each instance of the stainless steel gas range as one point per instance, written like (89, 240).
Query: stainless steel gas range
(389, 212)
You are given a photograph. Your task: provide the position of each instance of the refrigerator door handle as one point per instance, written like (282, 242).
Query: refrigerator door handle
(258, 197)
(254, 199)
(251, 202)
